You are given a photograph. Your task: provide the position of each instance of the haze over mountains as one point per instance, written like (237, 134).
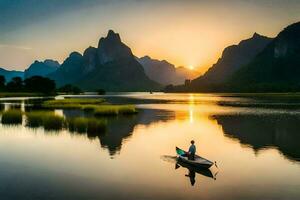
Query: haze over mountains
(164, 72)
(258, 64)
(111, 66)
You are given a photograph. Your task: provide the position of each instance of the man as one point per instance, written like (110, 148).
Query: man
(192, 151)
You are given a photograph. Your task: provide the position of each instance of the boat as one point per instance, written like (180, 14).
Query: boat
(198, 162)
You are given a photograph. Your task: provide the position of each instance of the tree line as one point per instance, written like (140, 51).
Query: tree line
(36, 84)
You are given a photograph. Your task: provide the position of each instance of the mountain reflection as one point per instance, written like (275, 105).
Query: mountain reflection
(120, 128)
(261, 131)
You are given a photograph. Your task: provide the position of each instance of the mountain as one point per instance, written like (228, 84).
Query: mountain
(41, 68)
(164, 72)
(275, 69)
(70, 70)
(111, 66)
(11, 74)
(233, 58)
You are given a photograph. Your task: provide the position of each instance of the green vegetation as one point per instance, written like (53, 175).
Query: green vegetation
(98, 106)
(111, 110)
(86, 125)
(34, 119)
(72, 103)
(12, 117)
(19, 94)
(35, 84)
(50, 121)
(78, 124)
(53, 122)
(96, 126)
(47, 119)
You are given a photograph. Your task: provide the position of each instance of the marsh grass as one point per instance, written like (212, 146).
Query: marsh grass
(35, 118)
(12, 117)
(72, 103)
(53, 122)
(78, 124)
(113, 110)
(98, 106)
(96, 126)
(92, 126)
(47, 119)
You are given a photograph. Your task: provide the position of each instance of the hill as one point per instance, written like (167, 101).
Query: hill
(111, 66)
(275, 69)
(41, 68)
(9, 74)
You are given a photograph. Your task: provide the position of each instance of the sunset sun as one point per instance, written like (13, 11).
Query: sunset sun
(191, 67)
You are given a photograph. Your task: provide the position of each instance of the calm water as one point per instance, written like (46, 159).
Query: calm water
(257, 150)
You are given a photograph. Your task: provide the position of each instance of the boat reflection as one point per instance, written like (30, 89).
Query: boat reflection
(192, 171)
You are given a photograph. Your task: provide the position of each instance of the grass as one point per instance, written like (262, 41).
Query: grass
(96, 126)
(19, 94)
(72, 103)
(12, 117)
(91, 126)
(36, 118)
(113, 110)
(53, 122)
(78, 124)
(97, 106)
(47, 119)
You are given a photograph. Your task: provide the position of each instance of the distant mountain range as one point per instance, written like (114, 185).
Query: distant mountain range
(9, 74)
(41, 68)
(164, 72)
(258, 64)
(111, 66)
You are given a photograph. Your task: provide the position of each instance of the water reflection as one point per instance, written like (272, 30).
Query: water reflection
(264, 131)
(192, 171)
(119, 129)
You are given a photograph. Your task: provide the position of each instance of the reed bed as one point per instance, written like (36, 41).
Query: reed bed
(86, 125)
(113, 110)
(53, 122)
(47, 119)
(12, 117)
(72, 103)
(98, 106)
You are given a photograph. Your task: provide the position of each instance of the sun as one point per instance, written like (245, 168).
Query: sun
(191, 67)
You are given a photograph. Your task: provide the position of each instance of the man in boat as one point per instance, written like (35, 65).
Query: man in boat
(192, 151)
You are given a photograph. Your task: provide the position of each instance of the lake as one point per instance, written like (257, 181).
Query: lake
(255, 141)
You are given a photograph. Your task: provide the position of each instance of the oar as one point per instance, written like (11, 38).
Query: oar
(216, 164)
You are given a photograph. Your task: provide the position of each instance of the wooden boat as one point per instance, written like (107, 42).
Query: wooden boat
(198, 162)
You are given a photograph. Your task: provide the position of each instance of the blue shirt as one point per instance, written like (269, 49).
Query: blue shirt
(192, 149)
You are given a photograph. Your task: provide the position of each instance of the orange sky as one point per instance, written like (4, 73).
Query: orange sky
(186, 33)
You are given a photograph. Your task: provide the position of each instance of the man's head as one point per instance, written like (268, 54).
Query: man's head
(192, 142)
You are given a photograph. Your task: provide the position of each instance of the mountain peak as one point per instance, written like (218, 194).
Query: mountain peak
(255, 35)
(111, 48)
(112, 36)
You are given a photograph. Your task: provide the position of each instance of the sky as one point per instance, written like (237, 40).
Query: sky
(189, 33)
